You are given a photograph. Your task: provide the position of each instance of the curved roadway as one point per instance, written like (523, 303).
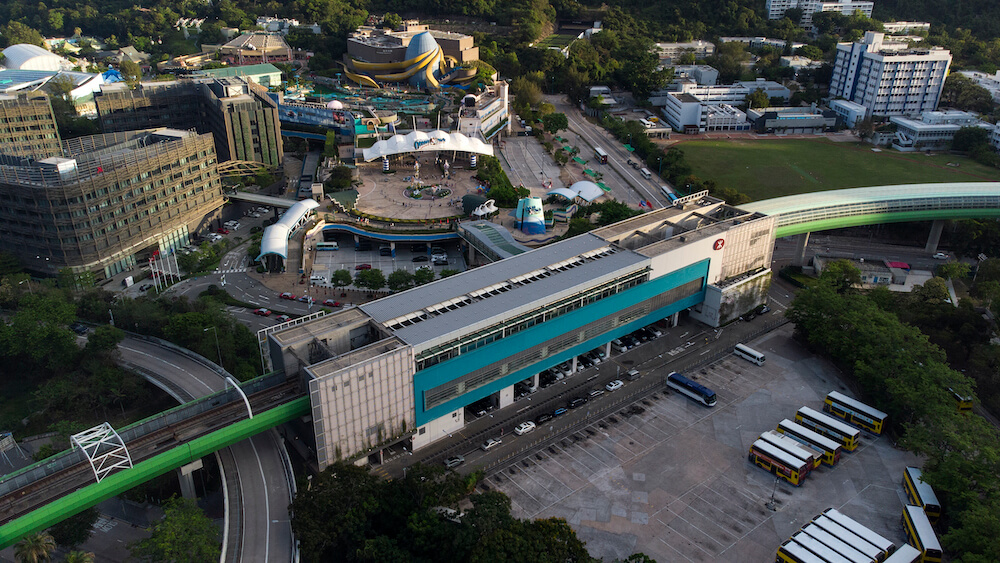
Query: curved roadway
(256, 471)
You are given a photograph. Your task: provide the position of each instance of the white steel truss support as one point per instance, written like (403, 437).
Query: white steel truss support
(231, 381)
(104, 448)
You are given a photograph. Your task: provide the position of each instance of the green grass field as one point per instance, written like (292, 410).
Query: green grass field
(769, 168)
(555, 40)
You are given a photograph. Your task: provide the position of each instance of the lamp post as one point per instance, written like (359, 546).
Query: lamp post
(217, 349)
(659, 172)
(31, 291)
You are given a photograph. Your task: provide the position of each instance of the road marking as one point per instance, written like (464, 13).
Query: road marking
(267, 503)
(175, 366)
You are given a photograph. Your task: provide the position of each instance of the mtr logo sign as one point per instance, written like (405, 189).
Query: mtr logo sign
(718, 244)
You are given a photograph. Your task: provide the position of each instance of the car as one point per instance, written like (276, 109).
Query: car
(564, 369)
(631, 341)
(765, 309)
(440, 261)
(490, 444)
(594, 357)
(262, 312)
(254, 215)
(363, 267)
(559, 412)
(595, 392)
(79, 328)
(286, 295)
(454, 461)
(332, 303)
(524, 428)
(282, 318)
(542, 418)
(577, 402)
(632, 374)
(305, 299)
(655, 331)
(421, 258)
(614, 385)
(940, 256)
(145, 287)
(222, 231)
(584, 363)
(599, 351)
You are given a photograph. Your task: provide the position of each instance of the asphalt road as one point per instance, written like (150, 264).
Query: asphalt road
(257, 475)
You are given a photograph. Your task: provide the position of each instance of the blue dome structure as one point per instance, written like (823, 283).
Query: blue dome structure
(424, 44)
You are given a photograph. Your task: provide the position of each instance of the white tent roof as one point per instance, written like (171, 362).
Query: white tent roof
(589, 191)
(423, 141)
(32, 57)
(275, 240)
(565, 192)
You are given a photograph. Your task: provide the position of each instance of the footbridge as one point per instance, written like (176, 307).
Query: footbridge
(47, 492)
(836, 209)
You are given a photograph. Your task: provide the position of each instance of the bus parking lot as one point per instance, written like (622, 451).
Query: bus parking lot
(669, 477)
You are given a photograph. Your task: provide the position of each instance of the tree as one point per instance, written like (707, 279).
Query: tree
(555, 122)
(340, 179)
(80, 557)
(332, 517)
(131, 71)
(841, 276)
(526, 92)
(35, 548)
(758, 99)
(399, 280)
(184, 534)
(340, 278)
(864, 128)
(810, 52)
(76, 529)
(15, 33)
(392, 20)
(953, 270)
(968, 139)
(423, 276)
(372, 279)
(448, 272)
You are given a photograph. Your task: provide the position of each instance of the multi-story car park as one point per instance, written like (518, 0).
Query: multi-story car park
(108, 200)
(403, 368)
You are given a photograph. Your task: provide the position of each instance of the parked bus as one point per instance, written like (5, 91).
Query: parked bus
(905, 554)
(852, 525)
(854, 412)
(830, 449)
(602, 156)
(824, 552)
(964, 402)
(749, 354)
(850, 538)
(792, 552)
(332, 245)
(921, 494)
(685, 386)
(778, 462)
(848, 436)
(835, 543)
(668, 193)
(793, 447)
(920, 534)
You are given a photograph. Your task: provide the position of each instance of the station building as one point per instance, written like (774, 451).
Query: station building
(403, 368)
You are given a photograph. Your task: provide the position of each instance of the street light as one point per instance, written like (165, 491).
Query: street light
(31, 291)
(660, 171)
(217, 349)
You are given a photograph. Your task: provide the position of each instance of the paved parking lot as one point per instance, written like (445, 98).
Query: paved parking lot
(671, 479)
(348, 259)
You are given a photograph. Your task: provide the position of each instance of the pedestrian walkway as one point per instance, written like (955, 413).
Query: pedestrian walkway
(230, 270)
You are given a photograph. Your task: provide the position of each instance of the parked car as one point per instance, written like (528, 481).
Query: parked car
(305, 299)
(79, 328)
(765, 309)
(595, 392)
(577, 402)
(454, 461)
(655, 331)
(262, 312)
(222, 231)
(363, 267)
(332, 303)
(631, 340)
(940, 256)
(524, 428)
(542, 418)
(632, 374)
(584, 363)
(564, 369)
(421, 258)
(593, 356)
(286, 295)
(490, 444)
(614, 385)
(282, 318)
(145, 287)
(559, 412)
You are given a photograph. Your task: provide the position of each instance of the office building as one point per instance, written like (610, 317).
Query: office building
(239, 114)
(107, 202)
(932, 130)
(776, 8)
(267, 75)
(903, 27)
(405, 367)
(28, 126)
(670, 52)
(889, 82)
(697, 109)
(486, 114)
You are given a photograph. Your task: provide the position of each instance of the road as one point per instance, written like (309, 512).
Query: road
(256, 470)
(855, 247)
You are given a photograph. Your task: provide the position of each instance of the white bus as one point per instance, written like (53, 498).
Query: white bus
(836, 544)
(332, 245)
(863, 532)
(602, 156)
(749, 354)
(850, 538)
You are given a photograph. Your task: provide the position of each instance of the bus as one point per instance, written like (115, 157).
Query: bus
(830, 449)
(791, 552)
(685, 386)
(793, 447)
(670, 195)
(905, 554)
(331, 245)
(852, 525)
(602, 156)
(850, 538)
(921, 494)
(854, 412)
(836, 544)
(848, 436)
(749, 354)
(824, 552)
(920, 534)
(964, 402)
(781, 464)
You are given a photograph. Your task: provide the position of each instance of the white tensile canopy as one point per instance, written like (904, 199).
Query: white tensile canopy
(424, 141)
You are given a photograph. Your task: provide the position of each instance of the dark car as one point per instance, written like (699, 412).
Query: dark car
(631, 340)
(146, 287)
(577, 402)
(421, 258)
(543, 418)
(586, 362)
(78, 328)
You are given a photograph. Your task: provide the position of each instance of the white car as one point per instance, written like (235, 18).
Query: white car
(614, 385)
(524, 428)
(656, 332)
(490, 444)
(940, 256)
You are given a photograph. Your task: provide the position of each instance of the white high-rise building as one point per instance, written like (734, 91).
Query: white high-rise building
(889, 82)
(776, 8)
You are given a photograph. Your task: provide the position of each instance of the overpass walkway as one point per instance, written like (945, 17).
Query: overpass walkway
(259, 199)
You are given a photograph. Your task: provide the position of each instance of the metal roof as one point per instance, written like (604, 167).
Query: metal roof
(32, 57)
(834, 198)
(275, 240)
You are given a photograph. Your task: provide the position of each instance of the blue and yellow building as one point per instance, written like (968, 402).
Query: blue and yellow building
(415, 55)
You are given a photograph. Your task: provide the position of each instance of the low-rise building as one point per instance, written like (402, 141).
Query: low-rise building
(904, 27)
(758, 42)
(285, 25)
(83, 85)
(989, 81)
(702, 75)
(485, 115)
(799, 63)
(792, 121)
(260, 47)
(267, 75)
(670, 52)
(932, 130)
(848, 112)
(32, 57)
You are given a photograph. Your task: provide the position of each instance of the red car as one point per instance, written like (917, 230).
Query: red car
(331, 303)
(286, 295)
(222, 231)
(363, 267)
(262, 312)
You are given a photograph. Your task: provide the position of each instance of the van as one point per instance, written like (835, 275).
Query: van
(618, 346)
(646, 173)
(646, 124)
(632, 374)
(385, 251)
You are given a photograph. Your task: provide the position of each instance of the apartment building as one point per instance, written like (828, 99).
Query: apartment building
(889, 82)
(776, 8)
(28, 126)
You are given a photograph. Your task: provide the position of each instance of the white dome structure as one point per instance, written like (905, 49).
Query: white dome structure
(32, 57)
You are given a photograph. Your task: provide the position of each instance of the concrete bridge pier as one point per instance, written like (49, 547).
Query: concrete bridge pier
(674, 319)
(935, 237)
(470, 255)
(800, 249)
(185, 476)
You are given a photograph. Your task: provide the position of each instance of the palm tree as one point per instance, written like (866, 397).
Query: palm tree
(35, 548)
(79, 557)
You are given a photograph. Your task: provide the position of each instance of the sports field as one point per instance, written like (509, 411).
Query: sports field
(555, 40)
(769, 168)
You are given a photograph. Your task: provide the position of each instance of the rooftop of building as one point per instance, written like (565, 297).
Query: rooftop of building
(389, 38)
(257, 41)
(244, 70)
(348, 359)
(16, 79)
(320, 328)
